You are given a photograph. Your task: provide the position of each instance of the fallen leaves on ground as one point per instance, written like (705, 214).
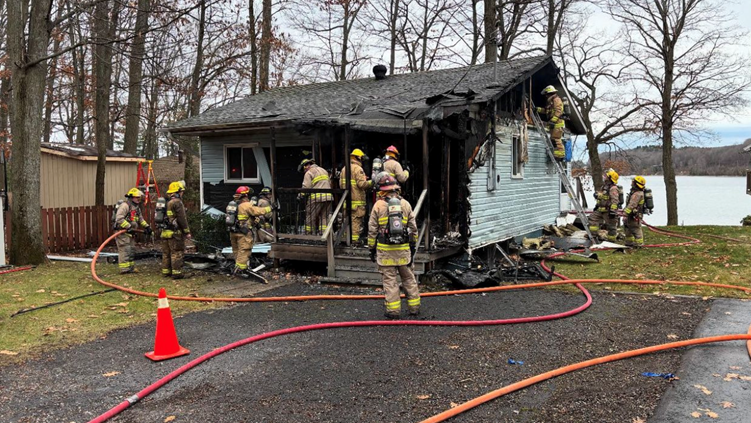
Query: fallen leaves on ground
(169, 419)
(423, 397)
(638, 420)
(696, 414)
(6, 352)
(110, 374)
(703, 389)
(453, 347)
(672, 336)
(727, 404)
(71, 320)
(454, 405)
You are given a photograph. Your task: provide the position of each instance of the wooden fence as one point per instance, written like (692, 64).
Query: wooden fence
(71, 228)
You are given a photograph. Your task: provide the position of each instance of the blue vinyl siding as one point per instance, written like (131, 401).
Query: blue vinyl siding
(517, 206)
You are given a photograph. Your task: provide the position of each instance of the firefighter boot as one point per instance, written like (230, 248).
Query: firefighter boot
(414, 311)
(392, 315)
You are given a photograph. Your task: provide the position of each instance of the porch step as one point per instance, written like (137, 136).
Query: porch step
(354, 266)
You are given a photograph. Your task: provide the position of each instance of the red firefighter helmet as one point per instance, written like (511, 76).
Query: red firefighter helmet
(243, 190)
(393, 151)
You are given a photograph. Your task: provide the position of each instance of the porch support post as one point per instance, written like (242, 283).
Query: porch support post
(348, 186)
(425, 167)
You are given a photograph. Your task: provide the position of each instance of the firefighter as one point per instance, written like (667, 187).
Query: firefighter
(633, 212)
(174, 233)
(392, 167)
(606, 209)
(318, 205)
(359, 184)
(554, 111)
(128, 216)
(266, 230)
(241, 233)
(392, 239)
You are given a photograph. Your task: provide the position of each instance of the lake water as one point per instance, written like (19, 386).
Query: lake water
(702, 200)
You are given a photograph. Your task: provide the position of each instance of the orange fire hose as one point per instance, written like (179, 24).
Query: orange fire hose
(577, 366)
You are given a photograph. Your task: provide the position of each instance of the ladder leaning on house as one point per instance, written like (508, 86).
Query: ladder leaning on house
(561, 172)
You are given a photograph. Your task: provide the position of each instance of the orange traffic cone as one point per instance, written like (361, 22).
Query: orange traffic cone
(165, 344)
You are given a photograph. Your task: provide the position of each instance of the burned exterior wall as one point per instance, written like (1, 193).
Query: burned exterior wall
(520, 203)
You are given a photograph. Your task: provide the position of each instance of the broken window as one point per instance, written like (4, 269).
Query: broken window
(517, 165)
(240, 164)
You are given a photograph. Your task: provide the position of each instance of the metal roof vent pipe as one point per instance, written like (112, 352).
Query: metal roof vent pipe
(380, 72)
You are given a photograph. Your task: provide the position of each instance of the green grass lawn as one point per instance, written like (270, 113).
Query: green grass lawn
(714, 260)
(27, 335)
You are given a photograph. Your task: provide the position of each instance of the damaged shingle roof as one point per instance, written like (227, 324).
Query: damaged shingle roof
(396, 96)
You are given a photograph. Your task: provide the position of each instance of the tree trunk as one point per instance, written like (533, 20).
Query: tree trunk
(253, 35)
(103, 73)
(151, 149)
(491, 49)
(27, 102)
(392, 30)
(552, 30)
(475, 33)
(49, 103)
(191, 170)
(595, 167)
(266, 38)
(4, 104)
(135, 78)
(345, 41)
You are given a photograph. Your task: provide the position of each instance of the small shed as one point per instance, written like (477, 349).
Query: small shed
(68, 175)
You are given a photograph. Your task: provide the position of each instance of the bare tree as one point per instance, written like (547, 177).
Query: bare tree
(422, 33)
(491, 33)
(27, 50)
(329, 25)
(506, 22)
(106, 15)
(682, 62)
(4, 74)
(135, 78)
(266, 39)
(609, 106)
(555, 12)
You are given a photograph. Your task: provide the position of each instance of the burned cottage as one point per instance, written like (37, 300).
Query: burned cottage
(480, 173)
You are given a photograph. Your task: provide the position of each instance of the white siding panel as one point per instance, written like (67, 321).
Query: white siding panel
(517, 206)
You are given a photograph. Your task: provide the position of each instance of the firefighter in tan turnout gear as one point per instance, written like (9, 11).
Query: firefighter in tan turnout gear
(606, 209)
(174, 233)
(634, 211)
(358, 186)
(554, 112)
(265, 231)
(318, 205)
(392, 239)
(241, 214)
(128, 217)
(392, 166)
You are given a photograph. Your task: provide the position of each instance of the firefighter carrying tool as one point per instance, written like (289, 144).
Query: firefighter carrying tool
(240, 215)
(128, 216)
(357, 187)
(554, 112)
(174, 232)
(265, 231)
(318, 205)
(392, 239)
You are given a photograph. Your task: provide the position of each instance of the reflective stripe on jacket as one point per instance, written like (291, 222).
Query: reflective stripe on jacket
(359, 183)
(391, 254)
(317, 177)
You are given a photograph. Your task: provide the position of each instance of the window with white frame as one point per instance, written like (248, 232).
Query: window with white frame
(240, 164)
(517, 167)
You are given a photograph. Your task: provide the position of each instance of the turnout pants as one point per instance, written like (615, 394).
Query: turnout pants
(358, 222)
(126, 250)
(556, 135)
(634, 234)
(173, 250)
(597, 218)
(391, 288)
(242, 246)
(316, 216)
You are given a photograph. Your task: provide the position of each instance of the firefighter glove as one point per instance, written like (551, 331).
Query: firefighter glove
(373, 255)
(148, 230)
(612, 213)
(300, 196)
